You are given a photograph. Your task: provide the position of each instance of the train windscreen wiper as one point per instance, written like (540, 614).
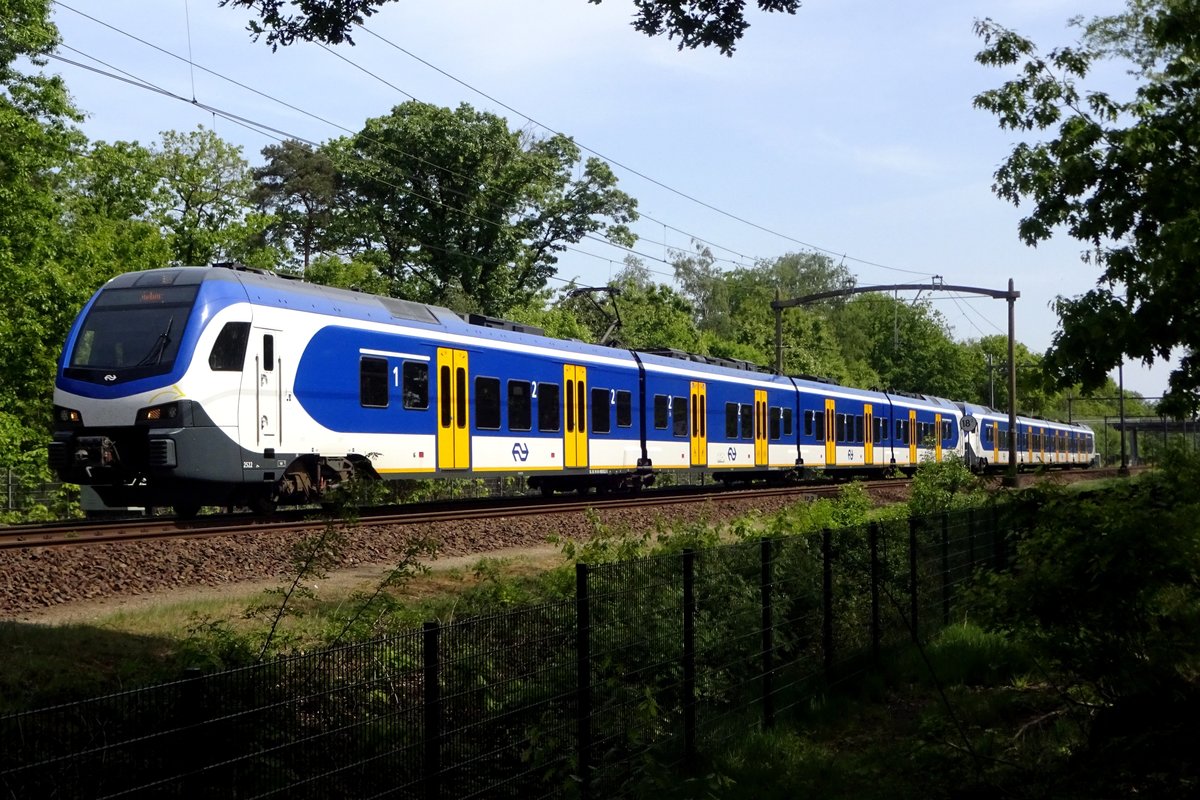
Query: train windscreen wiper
(160, 346)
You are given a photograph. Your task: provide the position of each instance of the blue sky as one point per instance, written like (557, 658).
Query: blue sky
(847, 127)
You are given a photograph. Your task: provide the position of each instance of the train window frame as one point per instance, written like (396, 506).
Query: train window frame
(775, 423)
(662, 412)
(746, 411)
(414, 379)
(840, 428)
(268, 364)
(228, 352)
(810, 427)
(373, 382)
(680, 426)
(601, 413)
(487, 403)
(549, 397)
(947, 430)
(520, 406)
(624, 408)
(788, 427)
(900, 426)
(732, 421)
(859, 428)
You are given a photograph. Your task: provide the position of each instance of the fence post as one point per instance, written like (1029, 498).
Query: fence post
(971, 541)
(876, 577)
(999, 541)
(432, 784)
(827, 600)
(689, 656)
(913, 606)
(945, 568)
(583, 669)
(768, 633)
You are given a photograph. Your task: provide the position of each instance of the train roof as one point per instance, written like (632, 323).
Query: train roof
(977, 410)
(269, 289)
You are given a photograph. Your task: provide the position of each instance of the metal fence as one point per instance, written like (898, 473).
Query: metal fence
(652, 663)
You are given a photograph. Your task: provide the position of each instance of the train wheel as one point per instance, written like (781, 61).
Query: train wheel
(263, 504)
(186, 509)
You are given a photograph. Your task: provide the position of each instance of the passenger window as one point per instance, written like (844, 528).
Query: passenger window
(858, 428)
(624, 409)
(747, 421)
(373, 382)
(229, 351)
(416, 384)
(601, 414)
(841, 427)
(731, 421)
(775, 426)
(662, 412)
(787, 422)
(487, 403)
(679, 416)
(820, 425)
(808, 423)
(520, 406)
(549, 407)
(900, 428)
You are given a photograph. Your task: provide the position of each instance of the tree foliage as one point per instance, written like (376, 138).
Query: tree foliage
(1120, 176)
(458, 210)
(696, 23)
(39, 136)
(298, 186)
(205, 188)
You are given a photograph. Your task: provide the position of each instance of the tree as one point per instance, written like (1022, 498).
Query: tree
(39, 136)
(108, 193)
(298, 186)
(1120, 176)
(205, 200)
(736, 317)
(909, 346)
(697, 23)
(460, 211)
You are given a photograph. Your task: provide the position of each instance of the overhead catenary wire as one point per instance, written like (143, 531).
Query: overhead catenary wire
(298, 109)
(633, 171)
(519, 113)
(282, 135)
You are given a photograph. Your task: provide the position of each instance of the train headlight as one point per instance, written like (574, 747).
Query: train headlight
(67, 417)
(167, 412)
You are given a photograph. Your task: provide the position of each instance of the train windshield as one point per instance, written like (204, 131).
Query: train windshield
(131, 333)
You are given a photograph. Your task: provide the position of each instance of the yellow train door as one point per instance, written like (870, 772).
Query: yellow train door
(699, 423)
(868, 434)
(760, 428)
(937, 437)
(912, 436)
(995, 442)
(830, 435)
(454, 424)
(575, 403)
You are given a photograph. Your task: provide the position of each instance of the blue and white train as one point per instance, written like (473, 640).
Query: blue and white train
(196, 386)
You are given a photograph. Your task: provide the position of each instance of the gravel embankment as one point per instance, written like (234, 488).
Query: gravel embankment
(33, 581)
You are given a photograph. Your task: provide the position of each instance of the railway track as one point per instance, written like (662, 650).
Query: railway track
(90, 532)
